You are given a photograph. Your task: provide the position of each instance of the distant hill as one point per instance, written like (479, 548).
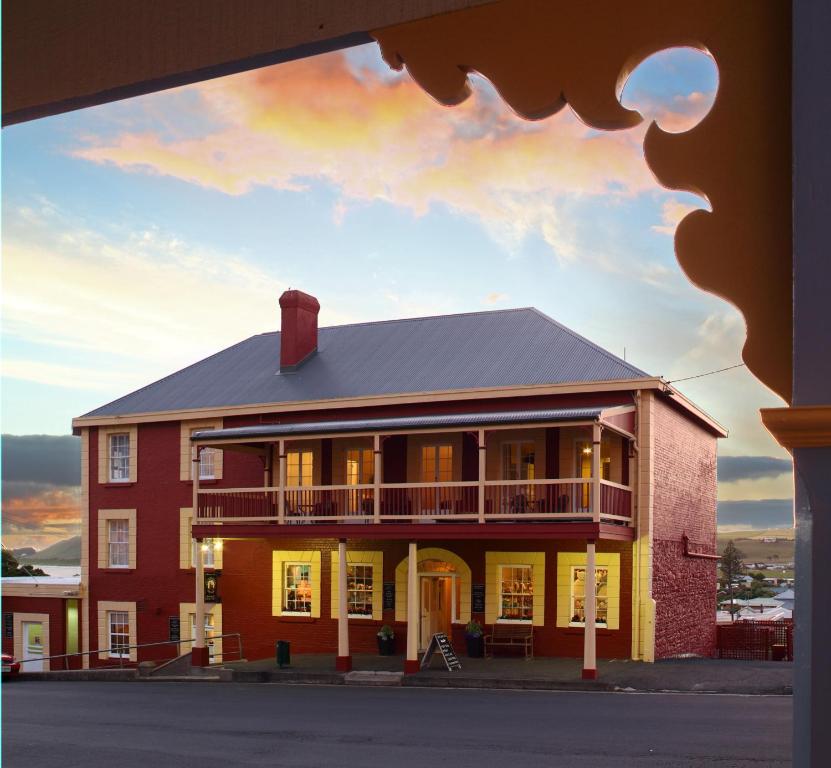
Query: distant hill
(755, 549)
(23, 552)
(66, 552)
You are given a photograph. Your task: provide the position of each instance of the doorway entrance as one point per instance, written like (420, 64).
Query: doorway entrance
(438, 599)
(32, 660)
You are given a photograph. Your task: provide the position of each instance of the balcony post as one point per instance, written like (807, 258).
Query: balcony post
(281, 493)
(596, 440)
(590, 612)
(376, 491)
(344, 661)
(482, 474)
(411, 663)
(199, 652)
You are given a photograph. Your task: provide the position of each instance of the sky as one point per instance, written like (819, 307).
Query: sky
(143, 235)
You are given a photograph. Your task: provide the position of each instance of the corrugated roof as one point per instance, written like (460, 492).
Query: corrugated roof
(483, 349)
(440, 421)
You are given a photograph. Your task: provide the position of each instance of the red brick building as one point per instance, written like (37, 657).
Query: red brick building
(493, 467)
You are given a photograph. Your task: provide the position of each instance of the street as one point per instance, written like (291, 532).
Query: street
(64, 724)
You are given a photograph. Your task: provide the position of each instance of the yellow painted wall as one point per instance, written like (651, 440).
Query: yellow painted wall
(492, 587)
(294, 556)
(376, 560)
(609, 560)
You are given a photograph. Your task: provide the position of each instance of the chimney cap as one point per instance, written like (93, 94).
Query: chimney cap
(297, 299)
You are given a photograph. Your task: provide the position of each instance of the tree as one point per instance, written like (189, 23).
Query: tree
(732, 566)
(12, 568)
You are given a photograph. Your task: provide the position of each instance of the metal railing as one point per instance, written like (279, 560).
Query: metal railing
(120, 649)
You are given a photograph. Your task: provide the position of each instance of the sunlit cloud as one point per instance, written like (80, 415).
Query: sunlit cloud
(42, 519)
(672, 211)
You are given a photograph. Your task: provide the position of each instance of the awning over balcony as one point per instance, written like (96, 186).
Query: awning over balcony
(261, 432)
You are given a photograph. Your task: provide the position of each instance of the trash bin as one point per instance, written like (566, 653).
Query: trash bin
(283, 653)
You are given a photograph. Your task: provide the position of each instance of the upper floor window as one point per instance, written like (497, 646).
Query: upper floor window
(207, 460)
(360, 466)
(119, 458)
(518, 461)
(436, 463)
(118, 543)
(299, 468)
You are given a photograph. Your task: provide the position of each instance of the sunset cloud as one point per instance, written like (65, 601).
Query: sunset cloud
(672, 211)
(381, 138)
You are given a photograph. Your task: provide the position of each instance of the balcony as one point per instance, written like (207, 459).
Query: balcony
(565, 500)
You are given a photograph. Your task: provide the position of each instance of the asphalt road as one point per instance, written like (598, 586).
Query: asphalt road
(226, 724)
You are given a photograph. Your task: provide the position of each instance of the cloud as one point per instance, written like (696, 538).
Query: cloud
(762, 513)
(496, 298)
(377, 137)
(733, 468)
(672, 211)
(42, 519)
(41, 459)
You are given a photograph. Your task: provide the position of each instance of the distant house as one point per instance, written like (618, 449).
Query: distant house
(786, 599)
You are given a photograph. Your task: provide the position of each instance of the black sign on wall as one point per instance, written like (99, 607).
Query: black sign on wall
(389, 596)
(212, 587)
(174, 631)
(477, 598)
(8, 625)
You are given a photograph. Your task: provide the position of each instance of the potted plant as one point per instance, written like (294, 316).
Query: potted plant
(475, 639)
(386, 641)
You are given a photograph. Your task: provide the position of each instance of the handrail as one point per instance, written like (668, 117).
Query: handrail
(67, 656)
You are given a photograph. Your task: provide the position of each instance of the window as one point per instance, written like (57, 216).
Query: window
(516, 593)
(436, 463)
(118, 543)
(578, 596)
(119, 458)
(207, 463)
(360, 466)
(119, 634)
(518, 461)
(359, 591)
(299, 468)
(297, 589)
(209, 549)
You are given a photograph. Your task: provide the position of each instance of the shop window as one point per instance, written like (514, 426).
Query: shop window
(359, 586)
(578, 596)
(516, 593)
(297, 589)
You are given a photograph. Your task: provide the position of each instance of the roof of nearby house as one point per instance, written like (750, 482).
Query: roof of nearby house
(503, 348)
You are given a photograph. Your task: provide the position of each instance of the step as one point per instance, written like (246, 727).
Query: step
(373, 678)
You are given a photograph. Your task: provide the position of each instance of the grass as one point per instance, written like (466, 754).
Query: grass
(755, 550)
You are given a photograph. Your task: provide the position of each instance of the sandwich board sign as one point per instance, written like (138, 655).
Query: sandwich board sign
(439, 642)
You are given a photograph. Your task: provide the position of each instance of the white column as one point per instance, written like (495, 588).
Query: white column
(596, 438)
(411, 664)
(281, 494)
(482, 472)
(376, 491)
(344, 661)
(590, 632)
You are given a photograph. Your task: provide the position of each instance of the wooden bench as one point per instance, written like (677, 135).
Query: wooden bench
(511, 635)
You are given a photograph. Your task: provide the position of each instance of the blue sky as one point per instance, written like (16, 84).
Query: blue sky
(143, 235)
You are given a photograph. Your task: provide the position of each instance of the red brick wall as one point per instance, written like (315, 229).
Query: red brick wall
(56, 608)
(684, 502)
(247, 596)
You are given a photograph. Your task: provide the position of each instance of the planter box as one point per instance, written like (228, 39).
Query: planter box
(386, 646)
(475, 646)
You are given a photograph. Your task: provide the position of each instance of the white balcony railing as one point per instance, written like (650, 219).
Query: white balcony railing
(567, 499)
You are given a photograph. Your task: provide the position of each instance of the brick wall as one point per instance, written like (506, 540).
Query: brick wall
(247, 598)
(685, 491)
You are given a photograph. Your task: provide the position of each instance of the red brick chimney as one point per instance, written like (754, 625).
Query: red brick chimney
(298, 329)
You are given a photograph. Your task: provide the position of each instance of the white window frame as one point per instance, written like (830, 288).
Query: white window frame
(300, 463)
(125, 645)
(350, 591)
(499, 569)
(285, 596)
(121, 545)
(207, 461)
(571, 610)
(123, 458)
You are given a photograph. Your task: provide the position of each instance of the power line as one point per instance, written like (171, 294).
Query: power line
(709, 373)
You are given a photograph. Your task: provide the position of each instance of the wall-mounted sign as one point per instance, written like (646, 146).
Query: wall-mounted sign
(174, 631)
(477, 598)
(8, 625)
(389, 596)
(212, 587)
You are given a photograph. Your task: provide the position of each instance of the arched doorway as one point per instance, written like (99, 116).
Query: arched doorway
(443, 592)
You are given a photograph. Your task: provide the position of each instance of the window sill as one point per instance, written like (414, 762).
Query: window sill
(117, 570)
(204, 481)
(119, 484)
(289, 619)
(601, 631)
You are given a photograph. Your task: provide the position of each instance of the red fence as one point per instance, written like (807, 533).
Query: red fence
(756, 640)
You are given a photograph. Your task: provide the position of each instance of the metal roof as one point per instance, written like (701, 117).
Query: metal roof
(440, 421)
(501, 348)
